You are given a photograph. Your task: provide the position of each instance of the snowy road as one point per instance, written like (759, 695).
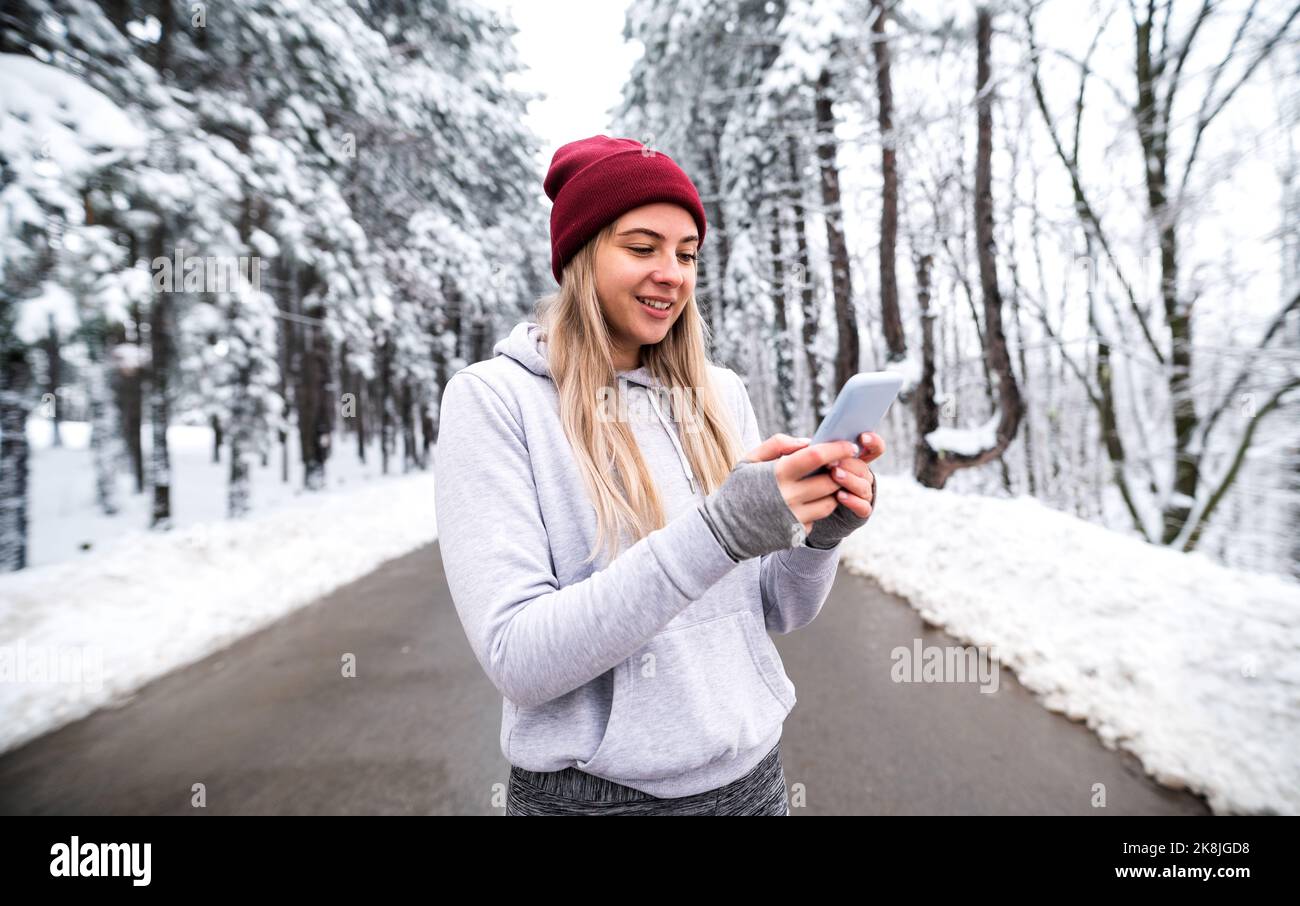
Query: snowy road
(272, 725)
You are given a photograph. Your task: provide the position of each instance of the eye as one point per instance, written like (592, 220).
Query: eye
(645, 250)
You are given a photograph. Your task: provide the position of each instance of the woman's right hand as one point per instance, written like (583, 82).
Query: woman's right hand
(809, 498)
(770, 501)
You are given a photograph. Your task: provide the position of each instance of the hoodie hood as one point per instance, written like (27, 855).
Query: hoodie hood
(525, 345)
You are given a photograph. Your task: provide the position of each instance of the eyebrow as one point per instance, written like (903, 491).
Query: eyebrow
(653, 235)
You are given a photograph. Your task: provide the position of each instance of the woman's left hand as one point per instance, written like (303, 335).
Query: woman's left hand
(857, 495)
(857, 481)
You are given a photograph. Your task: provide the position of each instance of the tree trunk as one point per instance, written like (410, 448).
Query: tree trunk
(54, 378)
(847, 352)
(785, 383)
(103, 427)
(426, 432)
(385, 396)
(290, 357)
(239, 488)
(891, 321)
(408, 428)
(712, 306)
(939, 466)
(362, 389)
(803, 274)
(159, 405)
(215, 421)
(15, 378)
(995, 348)
(132, 399)
(316, 404)
(924, 406)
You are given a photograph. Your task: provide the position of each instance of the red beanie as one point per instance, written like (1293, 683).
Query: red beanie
(596, 180)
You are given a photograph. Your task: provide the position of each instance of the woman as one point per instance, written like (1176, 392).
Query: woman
(616, 568)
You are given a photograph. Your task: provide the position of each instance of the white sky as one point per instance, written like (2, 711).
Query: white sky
(575, 54)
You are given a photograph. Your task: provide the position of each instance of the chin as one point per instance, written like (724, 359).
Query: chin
(654, 335)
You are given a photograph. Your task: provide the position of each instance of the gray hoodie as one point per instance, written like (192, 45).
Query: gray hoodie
(654, 670)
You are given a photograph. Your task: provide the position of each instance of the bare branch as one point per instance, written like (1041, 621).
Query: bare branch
(1182, 59)
(1244, 374)
(1230, 475)
(1090, 220)
(1047, 326)
(1204, 119)
(1084, 69)
(1164, 37)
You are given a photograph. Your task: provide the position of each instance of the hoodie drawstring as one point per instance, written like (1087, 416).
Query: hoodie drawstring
(672, 435)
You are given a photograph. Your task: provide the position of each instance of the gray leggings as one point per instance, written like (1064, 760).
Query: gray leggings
(573, 792)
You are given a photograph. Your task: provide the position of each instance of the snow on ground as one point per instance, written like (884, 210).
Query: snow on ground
(1191, 666)
(62, 517)
(93, 627)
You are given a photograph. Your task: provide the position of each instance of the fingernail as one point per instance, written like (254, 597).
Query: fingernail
(857, 451)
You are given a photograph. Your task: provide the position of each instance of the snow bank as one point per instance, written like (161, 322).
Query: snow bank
(1191, 666)
(84, 633)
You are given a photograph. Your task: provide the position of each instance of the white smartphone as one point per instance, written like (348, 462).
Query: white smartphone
(861, 404)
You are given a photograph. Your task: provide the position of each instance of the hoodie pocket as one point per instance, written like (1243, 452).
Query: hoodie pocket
(692, 696)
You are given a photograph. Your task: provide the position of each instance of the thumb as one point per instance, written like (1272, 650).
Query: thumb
(776, 446)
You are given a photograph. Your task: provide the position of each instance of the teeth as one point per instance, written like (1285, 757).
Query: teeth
(661, 306)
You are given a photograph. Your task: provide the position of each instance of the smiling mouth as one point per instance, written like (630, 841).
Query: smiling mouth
(654, 303)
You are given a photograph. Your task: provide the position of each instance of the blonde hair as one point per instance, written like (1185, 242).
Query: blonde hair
(579, 354)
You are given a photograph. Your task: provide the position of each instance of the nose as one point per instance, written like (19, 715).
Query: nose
(672, 275)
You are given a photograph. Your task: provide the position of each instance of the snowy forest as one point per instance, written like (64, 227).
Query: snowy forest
(1073, 227)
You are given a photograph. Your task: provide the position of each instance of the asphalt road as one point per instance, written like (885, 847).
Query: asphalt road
(271, 725)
